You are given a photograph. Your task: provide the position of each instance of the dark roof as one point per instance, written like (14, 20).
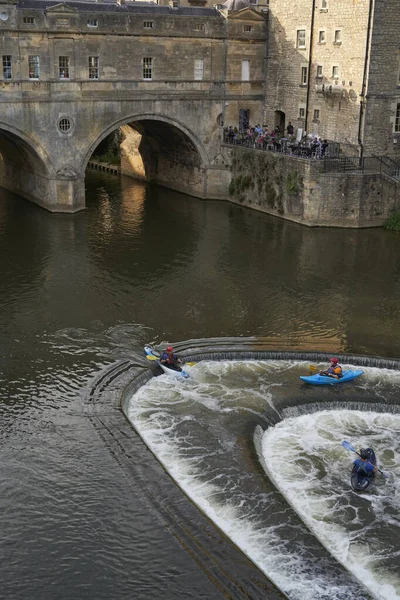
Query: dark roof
(129, 7)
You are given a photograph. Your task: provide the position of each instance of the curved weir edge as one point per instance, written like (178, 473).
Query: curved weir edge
(112, 391)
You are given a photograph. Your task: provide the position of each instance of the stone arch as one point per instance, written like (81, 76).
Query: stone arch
(20, 148)
(146, 117)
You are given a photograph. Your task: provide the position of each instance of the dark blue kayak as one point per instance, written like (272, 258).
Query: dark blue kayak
(360, 480)
(325, 380)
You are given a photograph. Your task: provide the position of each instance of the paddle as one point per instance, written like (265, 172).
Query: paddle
(348, 446)
(313, 369)
(152, 357)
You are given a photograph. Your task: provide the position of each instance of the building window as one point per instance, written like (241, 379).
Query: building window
(93, 67)
(199, 27)
(33, 64)
(335, 72)
(301, 38)
(63, 67)
(245, 70)
(319, 71)
(7, 66)
(247, 28)
(316, 114)
(148, 24)
(92, 23)
(324, 4)
(29, 20)
(397, 120)
(302, 112)
(304, 72)
(321, 37)
(198, 69)
(338, 35)
(147, 68)
(64, 125)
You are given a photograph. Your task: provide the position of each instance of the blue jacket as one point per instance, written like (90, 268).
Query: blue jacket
(170, 359)
(364, 466)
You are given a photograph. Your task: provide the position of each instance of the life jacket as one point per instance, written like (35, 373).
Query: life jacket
(170, 358)
(363, 467)
(337, 370)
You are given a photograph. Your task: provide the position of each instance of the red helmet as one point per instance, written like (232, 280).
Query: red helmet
(335, 360)
(170, 349)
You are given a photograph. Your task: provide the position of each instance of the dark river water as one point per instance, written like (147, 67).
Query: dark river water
(147, 265)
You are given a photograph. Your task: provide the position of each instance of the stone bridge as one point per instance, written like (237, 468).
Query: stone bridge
(74, 72)
(48, 167)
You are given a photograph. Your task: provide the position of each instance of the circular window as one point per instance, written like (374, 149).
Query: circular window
(65, 125)
(4, 16)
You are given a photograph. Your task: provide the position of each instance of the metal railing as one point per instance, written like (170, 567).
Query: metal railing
(380, 165)
(281, 146)
(333, 160)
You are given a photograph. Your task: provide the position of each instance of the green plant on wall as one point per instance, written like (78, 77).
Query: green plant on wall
(239, 184)
(293, 183)
(393, 222)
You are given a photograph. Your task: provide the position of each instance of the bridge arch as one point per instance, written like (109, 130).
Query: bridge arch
(25, 167)
(21, 149)
(179, 133)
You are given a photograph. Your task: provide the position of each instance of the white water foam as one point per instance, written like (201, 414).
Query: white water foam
(305, 459)
(169, 413)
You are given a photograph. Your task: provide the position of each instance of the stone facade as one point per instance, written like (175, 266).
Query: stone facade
(333, 70)
(74, 72)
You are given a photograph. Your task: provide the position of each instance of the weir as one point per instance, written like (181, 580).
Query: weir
(128, 377)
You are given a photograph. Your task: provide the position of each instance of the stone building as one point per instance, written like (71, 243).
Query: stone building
(333, 69)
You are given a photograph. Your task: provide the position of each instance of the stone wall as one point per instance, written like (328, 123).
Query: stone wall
(286, 91)
(383, 96)
(299, 190)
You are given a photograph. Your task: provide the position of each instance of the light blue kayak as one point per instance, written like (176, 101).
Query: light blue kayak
(325, 380)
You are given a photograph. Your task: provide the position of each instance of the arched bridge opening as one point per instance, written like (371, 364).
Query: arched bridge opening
(24, 169)
(156, 151)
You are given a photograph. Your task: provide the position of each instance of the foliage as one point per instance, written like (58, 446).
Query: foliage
(111, 157)
(393, 222)
(293, 183)
(239, 185)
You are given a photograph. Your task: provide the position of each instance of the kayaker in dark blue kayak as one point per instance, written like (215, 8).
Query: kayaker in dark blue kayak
(364, 464)
(334, 370)
(170, 360)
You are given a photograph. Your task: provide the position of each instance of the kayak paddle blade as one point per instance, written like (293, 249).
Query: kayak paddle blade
(348, 446)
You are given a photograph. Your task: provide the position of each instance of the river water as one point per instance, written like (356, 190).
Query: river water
(146, 265)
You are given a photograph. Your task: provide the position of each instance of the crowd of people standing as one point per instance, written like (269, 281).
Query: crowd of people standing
(275, 140)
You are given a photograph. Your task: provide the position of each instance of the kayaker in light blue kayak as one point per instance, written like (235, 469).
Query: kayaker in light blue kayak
(170, 360)
(334, 370)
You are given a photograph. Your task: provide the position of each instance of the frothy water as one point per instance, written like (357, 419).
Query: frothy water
(306, 461)
(201, 430)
